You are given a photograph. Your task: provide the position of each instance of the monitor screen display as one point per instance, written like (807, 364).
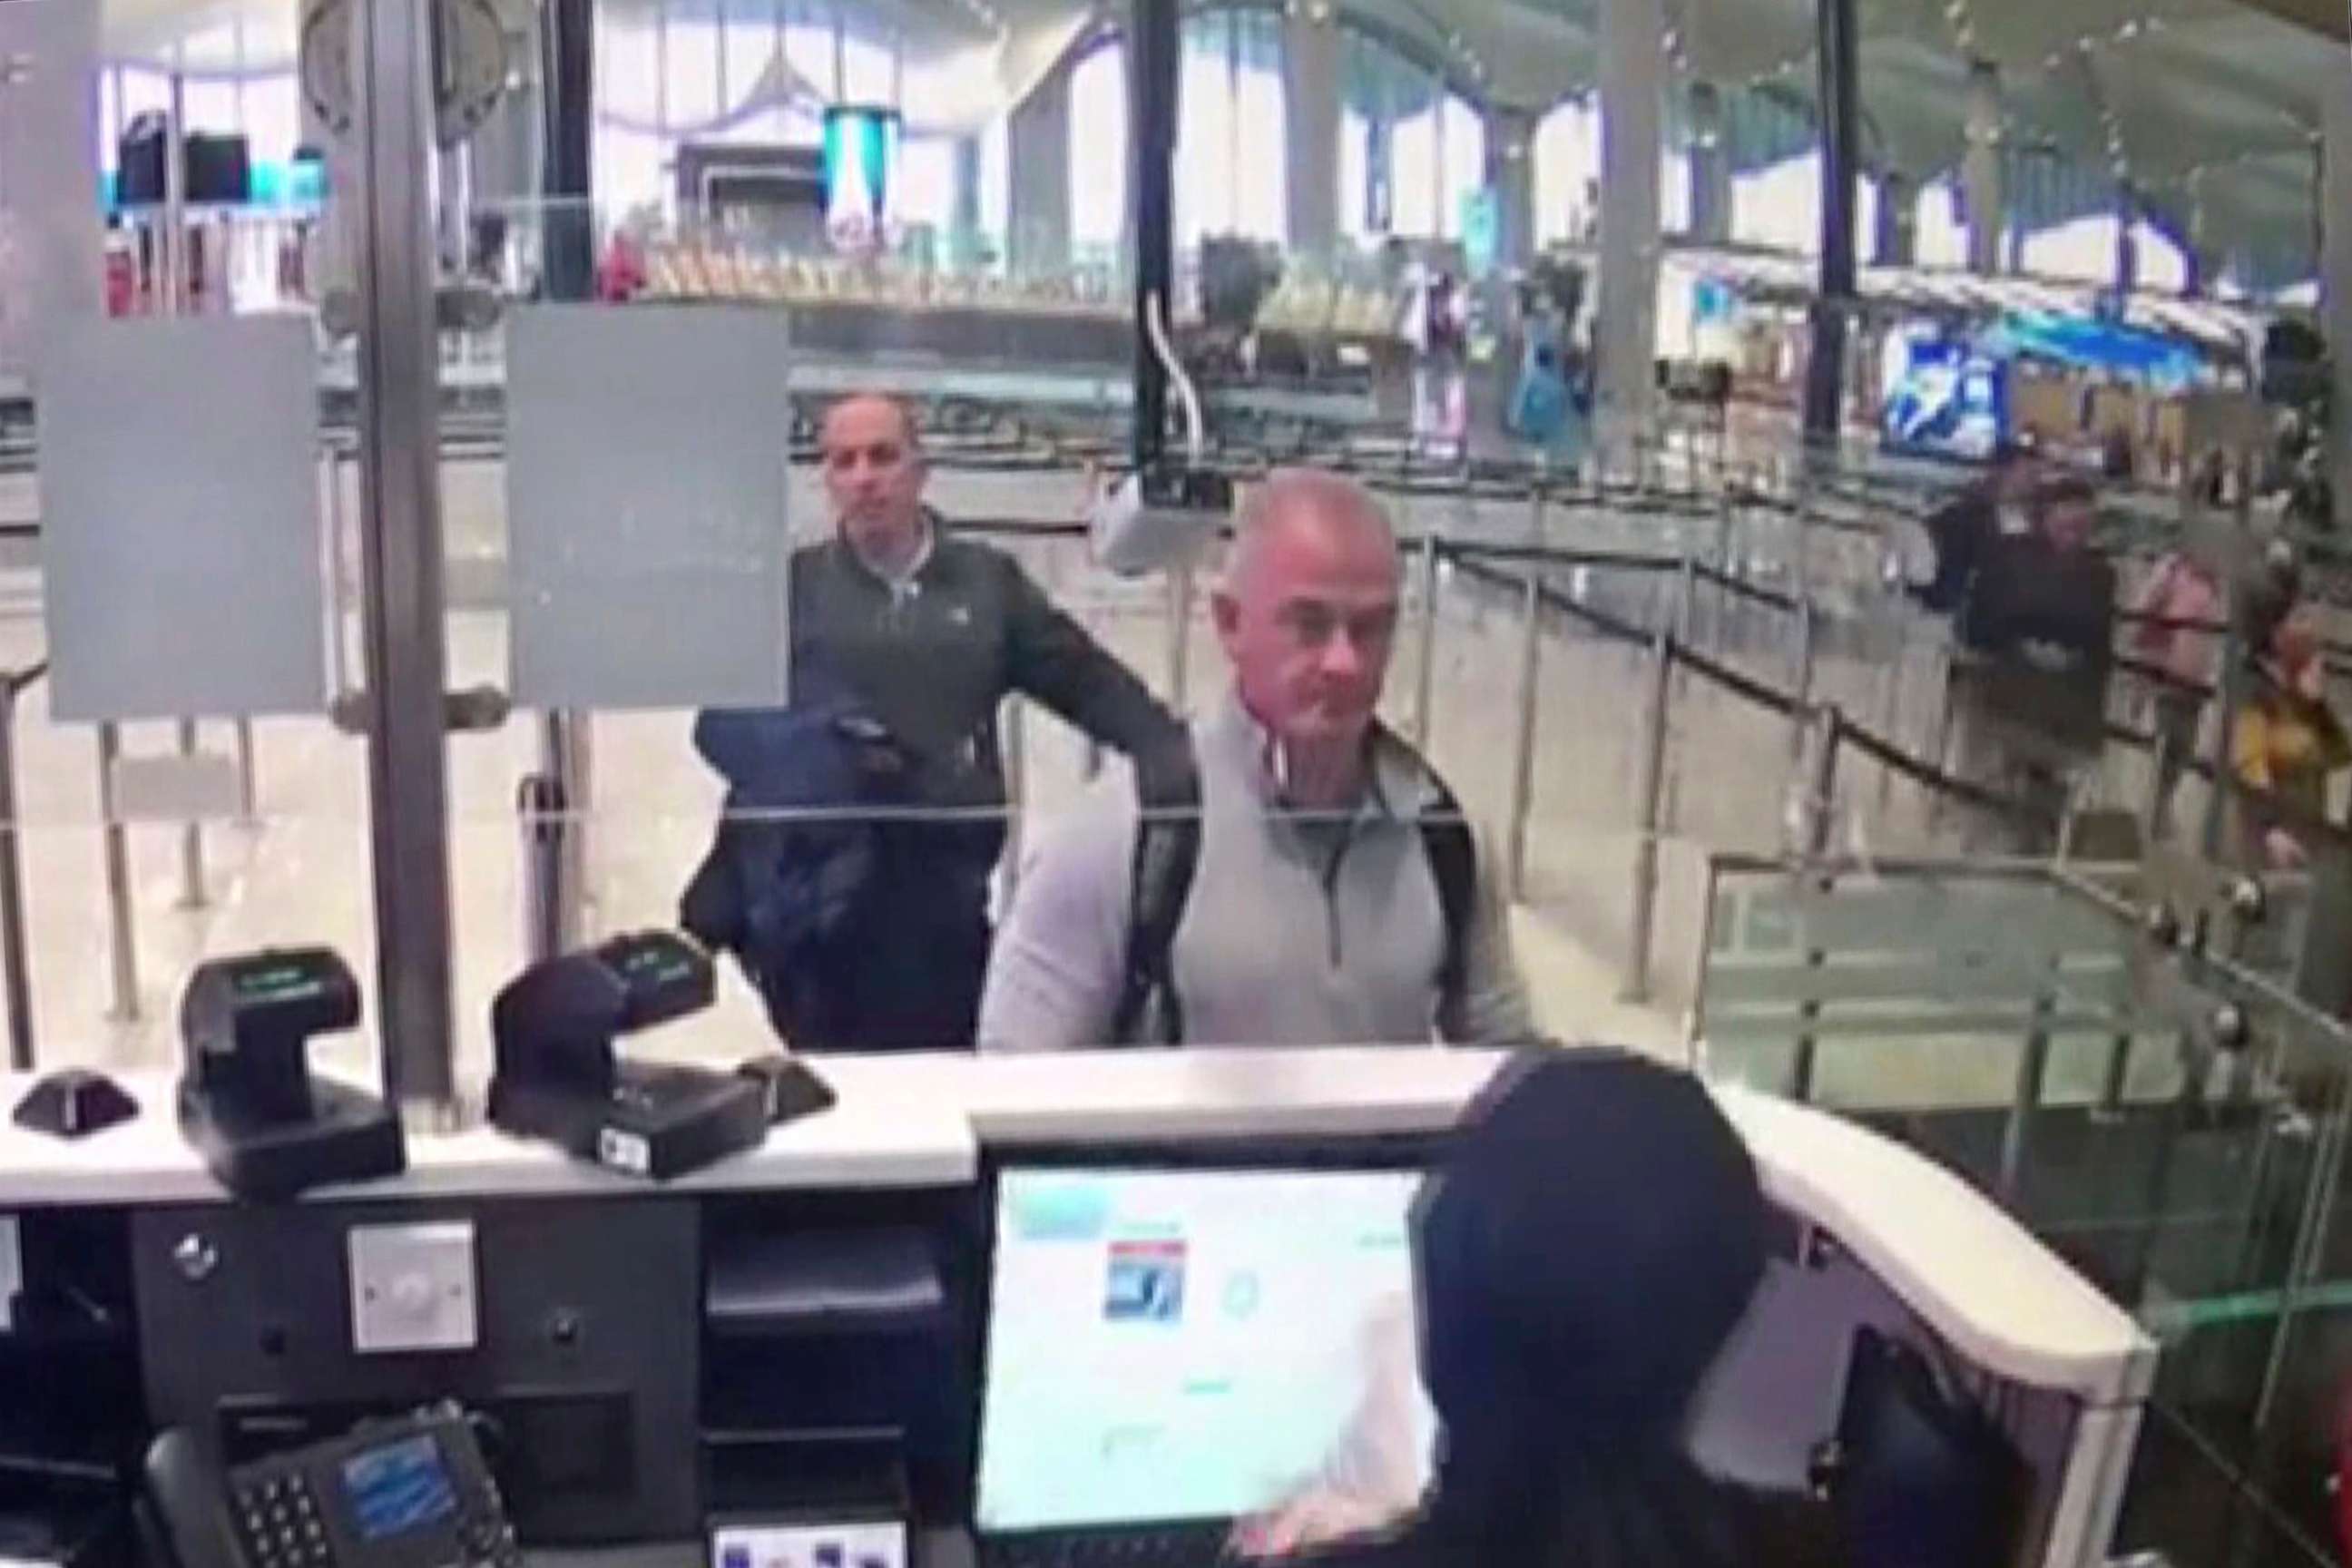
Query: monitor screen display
(398, 1488)
(1168, 1346)
(1944, 396)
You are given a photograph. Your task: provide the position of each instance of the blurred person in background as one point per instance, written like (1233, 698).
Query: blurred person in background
(2181, 594)
(2288, 743)
(2033, 628)
(1997, 504)
(863, 823)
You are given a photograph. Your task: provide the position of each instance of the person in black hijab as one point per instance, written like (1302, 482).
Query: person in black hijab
(1582, 1255)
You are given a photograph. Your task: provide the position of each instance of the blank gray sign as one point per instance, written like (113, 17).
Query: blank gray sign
(179, 540)
(648, 453)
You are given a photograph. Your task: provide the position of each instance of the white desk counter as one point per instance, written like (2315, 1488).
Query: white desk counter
(922, 1121)
(889, 1136)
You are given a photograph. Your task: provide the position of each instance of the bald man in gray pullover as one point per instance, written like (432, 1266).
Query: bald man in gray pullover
(1335, 895)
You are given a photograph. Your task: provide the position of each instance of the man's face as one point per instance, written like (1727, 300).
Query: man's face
(1309, 626)
(2069, 523)
(2016, 482)
(873, 473)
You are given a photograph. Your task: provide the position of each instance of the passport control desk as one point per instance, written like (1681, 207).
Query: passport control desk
(776, 1331)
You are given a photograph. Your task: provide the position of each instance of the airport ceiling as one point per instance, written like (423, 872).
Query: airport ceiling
(2217, 96)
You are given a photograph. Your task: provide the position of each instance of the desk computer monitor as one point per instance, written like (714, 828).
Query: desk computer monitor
(1191, 1347)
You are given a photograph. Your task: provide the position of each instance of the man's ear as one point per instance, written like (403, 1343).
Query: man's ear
(1225, 614)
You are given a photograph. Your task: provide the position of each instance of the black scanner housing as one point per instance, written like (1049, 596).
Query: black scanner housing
(247, 1101)
(560, 1076)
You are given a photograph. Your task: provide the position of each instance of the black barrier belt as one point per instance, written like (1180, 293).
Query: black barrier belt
(1738, 682)
(1743, 588)
(1935, 778)
(1551, 598)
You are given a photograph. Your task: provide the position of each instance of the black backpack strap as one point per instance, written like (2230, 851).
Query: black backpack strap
(1167, 854)
(1453, 851)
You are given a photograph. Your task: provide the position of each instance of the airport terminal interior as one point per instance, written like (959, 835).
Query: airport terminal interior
(780, 780)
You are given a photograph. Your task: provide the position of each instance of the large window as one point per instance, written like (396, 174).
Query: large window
(1098, 149)
(1568, 178)
(2084, 250)
(1942, 238)
(674, 71)
(1230, 175)
(1567, 172)
(1412, 151)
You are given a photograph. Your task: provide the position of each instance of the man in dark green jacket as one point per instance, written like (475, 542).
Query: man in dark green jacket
(923, 635)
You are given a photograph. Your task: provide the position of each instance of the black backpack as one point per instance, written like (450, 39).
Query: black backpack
(1168, 854)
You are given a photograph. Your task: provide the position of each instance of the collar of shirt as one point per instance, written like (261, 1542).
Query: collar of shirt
(903, 584)
(1265, 767)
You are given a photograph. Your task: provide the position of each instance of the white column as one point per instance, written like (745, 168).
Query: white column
(1310, 84)
(52, 241)
(1980, 168)
(2335, 265)
(1632, 75)
(1511, 175)
(1037, 146)
(1710, 166)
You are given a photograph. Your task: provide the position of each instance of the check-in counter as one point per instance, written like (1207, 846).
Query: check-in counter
(649, 1346)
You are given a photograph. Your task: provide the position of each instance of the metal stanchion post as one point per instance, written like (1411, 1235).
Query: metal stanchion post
(191, 836)
(337, 663)
(1523, 769)
(2032, 1068)
(1425, 670)
(1800, 676)
(115, 843)
(1651, 807)
(249, 787)
(1179, 637)
(1812, 831)
(18, 975)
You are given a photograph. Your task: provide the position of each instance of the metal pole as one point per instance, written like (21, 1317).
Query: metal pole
(248, 789)
(191, 836)
(400, 560)
(18, 977)
(2033, 1067)
(115, 843)
(1424, 671)
(1154, 44)
(1800, 678)
(1523, 767)
(1179, 637)
(338, 611)
(1814, 829)
(1820, 802)
(1649, 804)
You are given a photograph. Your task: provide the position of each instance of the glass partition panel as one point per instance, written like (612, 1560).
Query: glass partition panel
(177, 582)
(2168, 1120)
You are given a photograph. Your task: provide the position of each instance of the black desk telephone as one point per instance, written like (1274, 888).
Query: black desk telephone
(407, 1493)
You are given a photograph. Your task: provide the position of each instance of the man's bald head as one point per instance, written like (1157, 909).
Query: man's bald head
(874, 475)
(863, 412)
(1292, 502)
(1308, 606)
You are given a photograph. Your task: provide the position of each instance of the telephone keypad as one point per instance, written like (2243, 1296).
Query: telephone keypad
(279, 1525)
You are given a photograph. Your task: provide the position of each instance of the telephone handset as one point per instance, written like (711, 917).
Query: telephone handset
(412, 1492)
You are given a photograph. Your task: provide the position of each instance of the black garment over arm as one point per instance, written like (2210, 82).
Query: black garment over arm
(1051, 658)
(1959, 530)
